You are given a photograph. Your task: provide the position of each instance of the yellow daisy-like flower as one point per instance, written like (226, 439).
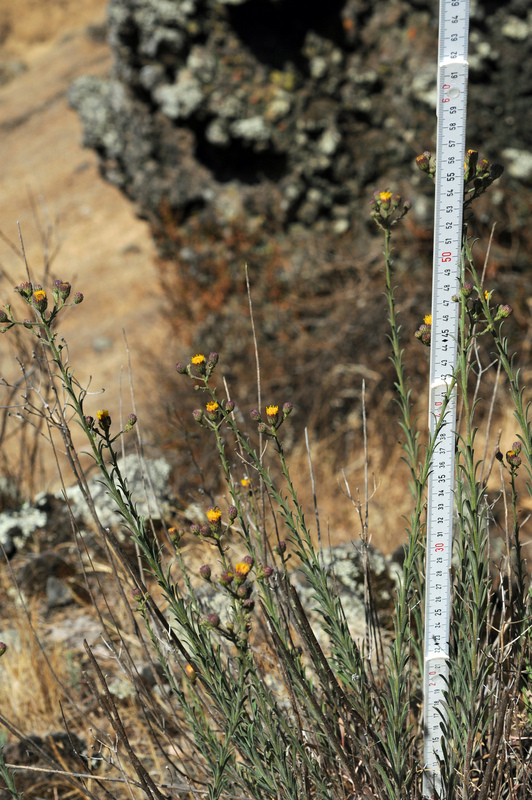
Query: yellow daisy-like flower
(39, 295)
(385, 196)
(197, 359)
(427, 319)
(245, 482)
(212, 406)
(214, 514)
(487, 295)
(242, 569)
(271, 411)
(102, 415)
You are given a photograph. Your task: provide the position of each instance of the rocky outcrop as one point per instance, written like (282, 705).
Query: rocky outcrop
(255, 132)
(301, 105)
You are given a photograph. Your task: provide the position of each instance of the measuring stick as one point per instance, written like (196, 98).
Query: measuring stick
(448, 216)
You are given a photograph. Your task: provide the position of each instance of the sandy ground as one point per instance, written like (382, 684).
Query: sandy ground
(104, 250)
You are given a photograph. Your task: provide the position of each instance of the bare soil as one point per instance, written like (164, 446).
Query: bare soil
(50, 185)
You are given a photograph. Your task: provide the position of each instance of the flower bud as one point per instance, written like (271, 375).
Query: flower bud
(211, 363)
(190, 673)
(176, 535)
(3, 317)
(280, 548)
(513, 458)
(130, 422)
(3, 648)
(266, 572)
(503, 312)
(255, 415)
(205, 572)
(213, 620)
(25, 289)
(243, 591)
(249, 560)
(226, 578)
(181, 368)
(198, 414)
(249, 604)
(61, 290)
(232, 513)
(230, 406)
(287, 409)
(78, 298)
(194, 529)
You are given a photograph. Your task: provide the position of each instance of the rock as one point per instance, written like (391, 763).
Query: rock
(345, 566)
(263, 91)
(147, 480)
(16, 527)
(57, 594)
(519, 163)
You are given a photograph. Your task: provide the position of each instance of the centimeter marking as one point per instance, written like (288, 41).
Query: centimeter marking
(448, 221)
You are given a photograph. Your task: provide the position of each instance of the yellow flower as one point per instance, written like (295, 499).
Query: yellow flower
(212, 406)
(487, 295)
(271, 411)
(385, 196)
(102, 415)
(242, 569)
(245, 482)
(39, 295)
(198, 359)
(427, 319)
(214, 514)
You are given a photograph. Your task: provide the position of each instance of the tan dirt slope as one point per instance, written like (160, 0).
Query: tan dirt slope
(105, 251)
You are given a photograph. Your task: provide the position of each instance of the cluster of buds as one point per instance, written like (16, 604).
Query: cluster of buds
(424, 330)
(388, 208)
(199, 366)
(513, 457)
(427, 163)
(475, 306)
(37, 298)
(213, 528)
(213, 413)
(103, 419)
(479, 174)
(274, 419)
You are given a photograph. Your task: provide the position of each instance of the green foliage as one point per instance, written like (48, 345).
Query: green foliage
(274, 707)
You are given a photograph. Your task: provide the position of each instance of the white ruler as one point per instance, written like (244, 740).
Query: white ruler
(448, 216)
